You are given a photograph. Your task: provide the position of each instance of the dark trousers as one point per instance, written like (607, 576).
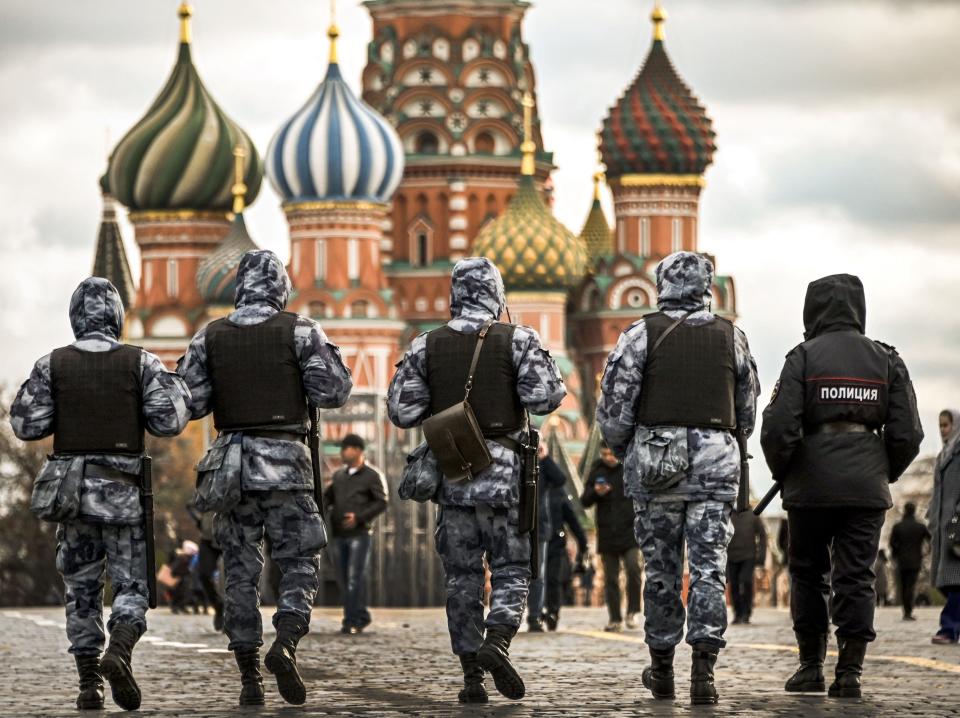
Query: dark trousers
(740, 578)
(834, 549)
(907, 577)
(206, 568)
(950, 615)
(352, 555)
(611, 582)
(558, 568)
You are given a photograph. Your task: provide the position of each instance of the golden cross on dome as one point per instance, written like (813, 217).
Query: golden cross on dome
(239, 189)
(659, 17)
(184, 12)
(597, 179)
(528, 148)
(334, 32)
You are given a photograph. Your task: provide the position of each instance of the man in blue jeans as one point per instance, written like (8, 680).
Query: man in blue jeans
(355, 497)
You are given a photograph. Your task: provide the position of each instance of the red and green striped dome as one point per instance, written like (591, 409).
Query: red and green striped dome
(658, 126)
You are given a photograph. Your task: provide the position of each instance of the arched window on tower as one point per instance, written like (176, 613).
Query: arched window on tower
(421, 236)
(317, 310)
(484, 143)
(360, 309)
(427, 143)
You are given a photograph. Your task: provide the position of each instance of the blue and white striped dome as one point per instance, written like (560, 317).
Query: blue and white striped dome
(336, 147)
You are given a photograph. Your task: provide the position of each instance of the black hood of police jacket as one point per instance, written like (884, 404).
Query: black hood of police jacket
(834, 304)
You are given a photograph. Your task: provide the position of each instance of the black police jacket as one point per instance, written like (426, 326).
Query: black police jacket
(840, 377)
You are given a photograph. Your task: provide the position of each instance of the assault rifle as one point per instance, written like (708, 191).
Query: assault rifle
(146, 501)
(529, 502)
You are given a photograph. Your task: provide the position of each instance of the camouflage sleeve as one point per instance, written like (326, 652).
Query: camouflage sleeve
(539, 383)
(408, 398)
(192, 368)
(166, 397)
(32, 412)
(620, 388)
(748, 384)
(326, 379)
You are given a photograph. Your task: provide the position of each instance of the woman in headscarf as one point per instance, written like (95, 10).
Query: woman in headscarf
(945, 563)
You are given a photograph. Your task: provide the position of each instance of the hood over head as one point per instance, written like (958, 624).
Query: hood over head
(951, 442)
(684, 282)
(96, 307)
(262, 279)
(476, 289)
(833, 304)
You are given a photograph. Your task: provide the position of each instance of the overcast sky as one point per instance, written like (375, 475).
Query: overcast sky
(838, 130)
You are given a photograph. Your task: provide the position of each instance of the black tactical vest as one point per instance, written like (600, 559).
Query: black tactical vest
(846, 379)
(98, 399)
(256, 374)
(494, 397)
(691, 378)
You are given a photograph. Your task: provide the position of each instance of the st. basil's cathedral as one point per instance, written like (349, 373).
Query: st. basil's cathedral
(442, 158)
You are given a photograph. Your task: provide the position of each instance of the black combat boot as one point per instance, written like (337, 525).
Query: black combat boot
(658, 676)
(473, 689)
(248, 661)
(91, 683)
(494, 658)
(116, 666)
(849, 668)
(702, 690)
(809, 677)
(281, 659)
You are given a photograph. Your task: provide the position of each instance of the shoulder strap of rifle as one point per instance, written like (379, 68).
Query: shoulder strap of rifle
(668, 332)
(481, 335)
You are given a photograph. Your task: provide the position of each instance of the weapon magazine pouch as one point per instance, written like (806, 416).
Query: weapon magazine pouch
(219, 474)
(454, 434)
(421, 477)
(661, 456)
(56, 490)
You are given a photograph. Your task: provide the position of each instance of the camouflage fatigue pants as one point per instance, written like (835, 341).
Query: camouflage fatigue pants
(465, 534)
(84, 551)
(661, 530)
(291, 520)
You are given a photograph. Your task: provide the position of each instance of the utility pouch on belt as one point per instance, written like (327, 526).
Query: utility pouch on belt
(219, 474)
(454, 435)
(56, 491)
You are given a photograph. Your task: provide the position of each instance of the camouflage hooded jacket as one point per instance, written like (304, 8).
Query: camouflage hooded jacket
(96, 315)
(477, 295)
(684, 282)
(263, 289)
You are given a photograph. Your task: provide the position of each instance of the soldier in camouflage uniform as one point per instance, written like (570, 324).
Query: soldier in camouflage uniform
(682, 477)
(276, 475)
(107, 525)
(480, 517)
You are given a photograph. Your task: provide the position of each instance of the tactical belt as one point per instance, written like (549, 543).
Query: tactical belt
(92, 471)
(840, 427)
(295, 436)
(506, 442)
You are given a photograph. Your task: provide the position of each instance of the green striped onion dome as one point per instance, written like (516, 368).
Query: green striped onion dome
(531, 248)
(180, 155)
(217, 274)
(658, 126)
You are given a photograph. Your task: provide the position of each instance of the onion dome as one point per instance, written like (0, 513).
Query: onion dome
(217, 274)
(110, 261)
(531, 248)
(596, 234)
(179, 155)
(658, 126)
(336, 147)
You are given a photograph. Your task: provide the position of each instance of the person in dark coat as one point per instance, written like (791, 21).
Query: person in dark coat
(945, 563)
(562, 515)
(355, 497)
(747, 551)
(906, 548)
(616, 541)
(841, 425)
(882, 582)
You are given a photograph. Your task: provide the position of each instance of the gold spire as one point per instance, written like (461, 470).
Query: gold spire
(184, 12)
(597, 179)
(528, 147)
(334, 32)
(659, 17)
(239, 189)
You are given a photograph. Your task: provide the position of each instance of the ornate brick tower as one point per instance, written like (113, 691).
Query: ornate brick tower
(337, 163)
(656, 142)
(174, 172)
(450, 76)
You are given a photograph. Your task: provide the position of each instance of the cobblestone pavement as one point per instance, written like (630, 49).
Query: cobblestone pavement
(402, 666)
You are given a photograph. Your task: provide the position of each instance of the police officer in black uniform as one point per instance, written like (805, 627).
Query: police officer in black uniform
(841, 426)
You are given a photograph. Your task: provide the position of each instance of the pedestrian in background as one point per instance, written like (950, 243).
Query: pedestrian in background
(562, 517)
(746, 552)
(841, 425)
(944, 505)
(207, 567)
(355, 497)
(906, 548)
(616, 542)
